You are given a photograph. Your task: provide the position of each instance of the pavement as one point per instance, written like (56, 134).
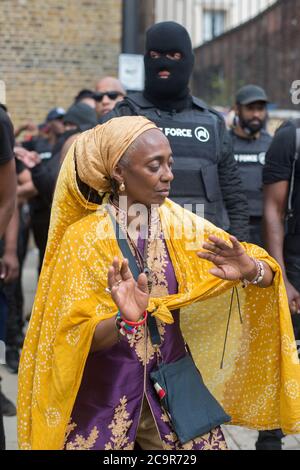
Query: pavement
(237, 438)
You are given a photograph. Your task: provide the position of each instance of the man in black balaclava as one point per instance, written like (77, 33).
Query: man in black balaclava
(169, 61)
(204, 167)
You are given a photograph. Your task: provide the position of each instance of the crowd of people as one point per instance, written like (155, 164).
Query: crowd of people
(162, 142)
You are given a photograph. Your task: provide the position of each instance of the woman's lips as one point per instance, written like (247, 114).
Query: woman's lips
(164, 192)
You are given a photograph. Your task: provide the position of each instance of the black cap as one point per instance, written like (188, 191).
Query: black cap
(250, 94)
(55, 113)
(85, 93)
(81, 115)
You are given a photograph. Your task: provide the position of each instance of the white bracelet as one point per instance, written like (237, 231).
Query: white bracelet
(259, 275)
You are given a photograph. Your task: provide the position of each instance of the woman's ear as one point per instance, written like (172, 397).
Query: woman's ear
(117, 174)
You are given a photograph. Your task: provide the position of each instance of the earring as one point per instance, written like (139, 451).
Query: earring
(122, 187)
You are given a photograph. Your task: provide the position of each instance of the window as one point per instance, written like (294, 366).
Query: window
(213, 23)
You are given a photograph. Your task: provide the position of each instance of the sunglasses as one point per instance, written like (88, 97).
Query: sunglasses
(112, 95)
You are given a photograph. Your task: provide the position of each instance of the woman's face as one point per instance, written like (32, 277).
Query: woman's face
(146, 169)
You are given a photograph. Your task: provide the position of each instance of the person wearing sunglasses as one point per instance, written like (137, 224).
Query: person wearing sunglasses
(109, 91)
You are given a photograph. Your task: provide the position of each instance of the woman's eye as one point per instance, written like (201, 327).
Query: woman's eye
(154, 168)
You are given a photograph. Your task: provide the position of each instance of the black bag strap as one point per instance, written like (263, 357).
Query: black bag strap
(290, 210)
(126, 251)
(153, 330)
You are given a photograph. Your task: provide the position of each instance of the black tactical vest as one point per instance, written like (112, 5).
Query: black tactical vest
(194, 137)
(250, 155)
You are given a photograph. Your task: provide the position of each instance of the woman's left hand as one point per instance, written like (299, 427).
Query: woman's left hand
(231, 262)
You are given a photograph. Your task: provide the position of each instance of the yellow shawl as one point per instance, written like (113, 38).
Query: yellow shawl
(259, 385)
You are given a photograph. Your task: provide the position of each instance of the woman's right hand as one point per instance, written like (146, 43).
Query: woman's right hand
(130, 296)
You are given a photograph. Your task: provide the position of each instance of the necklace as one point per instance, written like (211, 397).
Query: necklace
(141, 258)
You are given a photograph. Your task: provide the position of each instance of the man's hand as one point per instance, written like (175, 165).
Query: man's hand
(293, 297)
(10, 267)
(30, 159)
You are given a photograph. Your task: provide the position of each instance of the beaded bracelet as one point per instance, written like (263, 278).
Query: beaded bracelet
(259, 274)
(128, 330)
(138, 323)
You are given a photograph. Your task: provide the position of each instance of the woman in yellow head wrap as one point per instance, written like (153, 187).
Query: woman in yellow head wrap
(84, 378)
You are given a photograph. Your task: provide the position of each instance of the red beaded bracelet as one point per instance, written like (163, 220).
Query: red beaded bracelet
(138, 323)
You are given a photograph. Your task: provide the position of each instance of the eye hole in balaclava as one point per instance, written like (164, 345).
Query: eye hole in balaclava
(168, 37)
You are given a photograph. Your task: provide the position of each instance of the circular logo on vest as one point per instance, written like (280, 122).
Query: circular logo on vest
(262, 158)
(202, 134)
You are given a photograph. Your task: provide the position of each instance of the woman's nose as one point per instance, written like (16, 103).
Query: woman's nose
(168, 175)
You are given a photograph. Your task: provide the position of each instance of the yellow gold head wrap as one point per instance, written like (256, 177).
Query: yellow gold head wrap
(98, 150)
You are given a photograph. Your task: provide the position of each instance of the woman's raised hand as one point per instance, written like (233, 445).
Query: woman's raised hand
(231, 261)
(130, 296)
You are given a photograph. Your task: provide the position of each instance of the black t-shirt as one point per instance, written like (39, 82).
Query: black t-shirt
(280, 156)
(279, 166)
(6, 138)
(40, 145)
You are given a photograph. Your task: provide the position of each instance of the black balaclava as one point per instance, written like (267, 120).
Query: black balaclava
(171, 93)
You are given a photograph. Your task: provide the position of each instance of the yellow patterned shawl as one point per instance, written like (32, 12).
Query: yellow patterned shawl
(259, 385)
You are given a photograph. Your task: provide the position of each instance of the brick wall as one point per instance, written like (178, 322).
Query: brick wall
(51, 49)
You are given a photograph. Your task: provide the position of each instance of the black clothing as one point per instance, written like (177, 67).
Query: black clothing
(204, 168)
(250, 156)
(269, 440)
(6, 138)
(82, 116)
(278, 167)
(279, 164)
(40, 145)
(44, 178)
(171, 93)
(6, 154)
(279, 159)
(45, 174)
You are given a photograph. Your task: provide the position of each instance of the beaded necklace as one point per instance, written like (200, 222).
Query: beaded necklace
(141, 258)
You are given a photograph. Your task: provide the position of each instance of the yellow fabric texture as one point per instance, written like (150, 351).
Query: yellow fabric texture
(259, 384)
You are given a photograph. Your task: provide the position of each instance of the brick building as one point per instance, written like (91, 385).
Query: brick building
(50, 50)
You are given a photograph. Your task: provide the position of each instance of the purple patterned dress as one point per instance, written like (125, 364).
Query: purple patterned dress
(108, 407)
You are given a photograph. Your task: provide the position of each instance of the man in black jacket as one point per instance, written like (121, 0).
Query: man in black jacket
(78, 118)
(7, 206)
(205, 170)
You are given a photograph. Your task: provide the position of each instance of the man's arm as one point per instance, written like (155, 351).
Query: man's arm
(232, 190)
(275, 204)
(25, 189)
(8, 181)
(10, 262)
